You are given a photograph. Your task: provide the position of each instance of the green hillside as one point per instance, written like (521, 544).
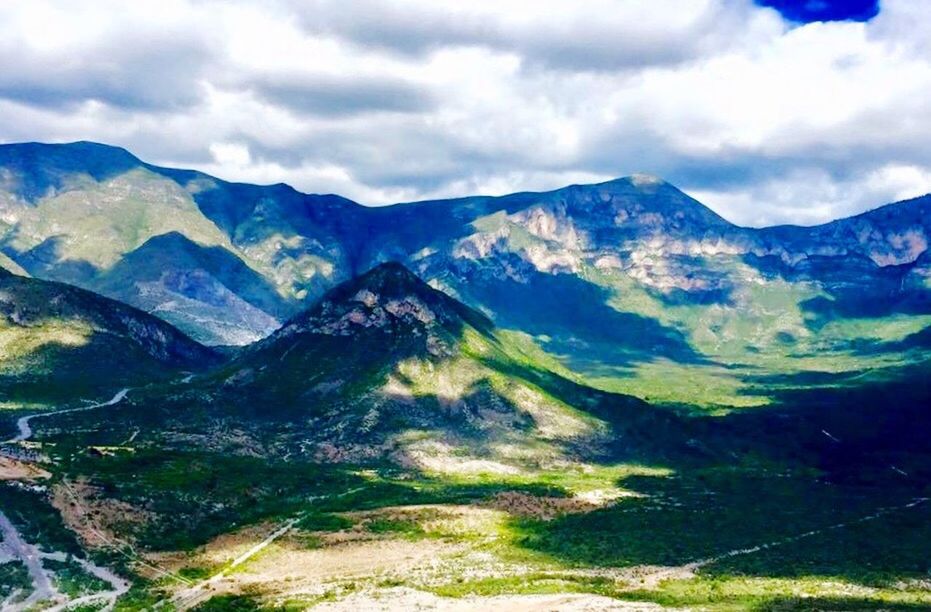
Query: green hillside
(59, 342)
(385, 366)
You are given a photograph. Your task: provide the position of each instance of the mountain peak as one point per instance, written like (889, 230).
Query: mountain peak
(391, 299)
(37, 169)
(391, 277)
(367, 324)
(643, 179)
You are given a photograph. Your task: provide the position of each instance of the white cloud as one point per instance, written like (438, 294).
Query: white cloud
(387, 100)
(230, 154)
(809, 197)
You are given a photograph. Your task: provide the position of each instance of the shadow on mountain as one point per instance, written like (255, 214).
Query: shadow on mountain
(61, 342)
(572, 318)
(640, 432)
(918, 340)
(858, 289)
(722, 296)
(863, 303)
(849, 604)
(173, 255)
(696, 281)
(694, 516)
(43, 168)
(745, 479)
(864, 428)
(45, 260)
(805, 378)
(62, 372)
(874, 552)
(857, 272)
(330, 225)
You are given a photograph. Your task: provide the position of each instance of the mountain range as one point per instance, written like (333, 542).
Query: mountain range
(610, 279)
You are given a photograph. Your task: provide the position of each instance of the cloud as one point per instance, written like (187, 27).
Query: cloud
(342, 95)
(142, 59)
(230, 154)
(812, 196)
(593, 35)
(770, 121)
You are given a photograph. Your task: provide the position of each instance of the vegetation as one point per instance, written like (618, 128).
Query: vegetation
(37, 521)
(14, 577)
(72, 580)
(59, 343)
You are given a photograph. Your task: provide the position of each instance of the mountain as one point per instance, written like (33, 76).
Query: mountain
(386, 366)
(58, 341)
(618, 281)
(73, 212)
(208, 292)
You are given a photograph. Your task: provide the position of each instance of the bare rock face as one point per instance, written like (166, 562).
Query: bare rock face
(384, 305)
(660, 239)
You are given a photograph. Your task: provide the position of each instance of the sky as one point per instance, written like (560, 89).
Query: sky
(774, 111)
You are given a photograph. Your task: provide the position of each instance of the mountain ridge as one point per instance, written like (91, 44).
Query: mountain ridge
(116, 151)
(57, 340)
(608, 278)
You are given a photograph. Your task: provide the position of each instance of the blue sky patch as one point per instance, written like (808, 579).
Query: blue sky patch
(806, 11)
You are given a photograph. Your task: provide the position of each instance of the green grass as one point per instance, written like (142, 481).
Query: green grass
(879, 553)
(120, 213)
(321, 521)
(706, 388)
(231, 603)
(694, 516)
(740, 593)
(394, 526)
(530, 583)
(197, 496)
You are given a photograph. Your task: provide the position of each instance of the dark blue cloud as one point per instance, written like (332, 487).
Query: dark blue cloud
(806, 11)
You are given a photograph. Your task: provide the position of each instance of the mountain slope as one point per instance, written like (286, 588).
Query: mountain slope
(74, 212)
(384, 365)
(58, 341)
(207, 292)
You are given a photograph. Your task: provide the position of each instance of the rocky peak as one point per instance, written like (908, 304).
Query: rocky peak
(387, 299)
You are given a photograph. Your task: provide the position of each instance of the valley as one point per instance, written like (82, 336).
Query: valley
(600, 397)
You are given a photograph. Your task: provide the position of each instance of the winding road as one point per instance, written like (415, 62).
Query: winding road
(43, 588)
(25, 430)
